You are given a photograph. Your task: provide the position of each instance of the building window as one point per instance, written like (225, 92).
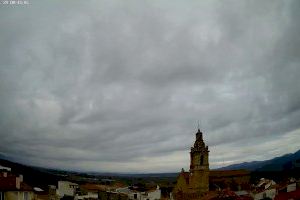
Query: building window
(201, 160)
(26, 196)
(135, 196)
(1, 195)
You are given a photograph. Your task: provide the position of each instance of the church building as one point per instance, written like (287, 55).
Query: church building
(195, 183)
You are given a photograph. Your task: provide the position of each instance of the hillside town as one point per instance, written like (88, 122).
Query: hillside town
(149, 100)
(198, 183)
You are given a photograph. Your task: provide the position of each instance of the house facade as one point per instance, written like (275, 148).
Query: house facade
(12, 187)
(67, 188)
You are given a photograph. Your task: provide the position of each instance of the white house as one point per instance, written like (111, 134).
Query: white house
(291, 187)
(264, 189)
(147, 195)
(66, 188)
(269, 193)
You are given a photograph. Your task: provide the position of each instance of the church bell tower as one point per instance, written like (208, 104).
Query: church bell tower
(199, 166)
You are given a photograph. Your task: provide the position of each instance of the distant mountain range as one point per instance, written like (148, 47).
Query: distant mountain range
(285, 162)
(42, 177)
(39, 176)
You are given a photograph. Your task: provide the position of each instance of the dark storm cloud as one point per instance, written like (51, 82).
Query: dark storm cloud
(117, 86)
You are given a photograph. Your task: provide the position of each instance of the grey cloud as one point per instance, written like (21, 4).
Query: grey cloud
(110, 83)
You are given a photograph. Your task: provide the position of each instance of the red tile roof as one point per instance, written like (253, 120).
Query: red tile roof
(9, 183)
(6, 185)
(288, 195)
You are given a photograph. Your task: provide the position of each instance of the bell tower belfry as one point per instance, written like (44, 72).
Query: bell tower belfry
(199, 165)
(195, 183)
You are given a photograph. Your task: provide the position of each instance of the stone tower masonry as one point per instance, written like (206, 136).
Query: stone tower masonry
(199, 166)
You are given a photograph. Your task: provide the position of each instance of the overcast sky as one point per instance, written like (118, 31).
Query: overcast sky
(118, 86)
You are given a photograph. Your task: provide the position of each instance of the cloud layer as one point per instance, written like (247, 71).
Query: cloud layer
(119, 86)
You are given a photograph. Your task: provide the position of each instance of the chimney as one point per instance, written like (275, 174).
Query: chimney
(18, 183)
(21, 178)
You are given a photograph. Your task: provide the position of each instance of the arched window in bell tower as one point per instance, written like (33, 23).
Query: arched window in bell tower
(201, 160)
